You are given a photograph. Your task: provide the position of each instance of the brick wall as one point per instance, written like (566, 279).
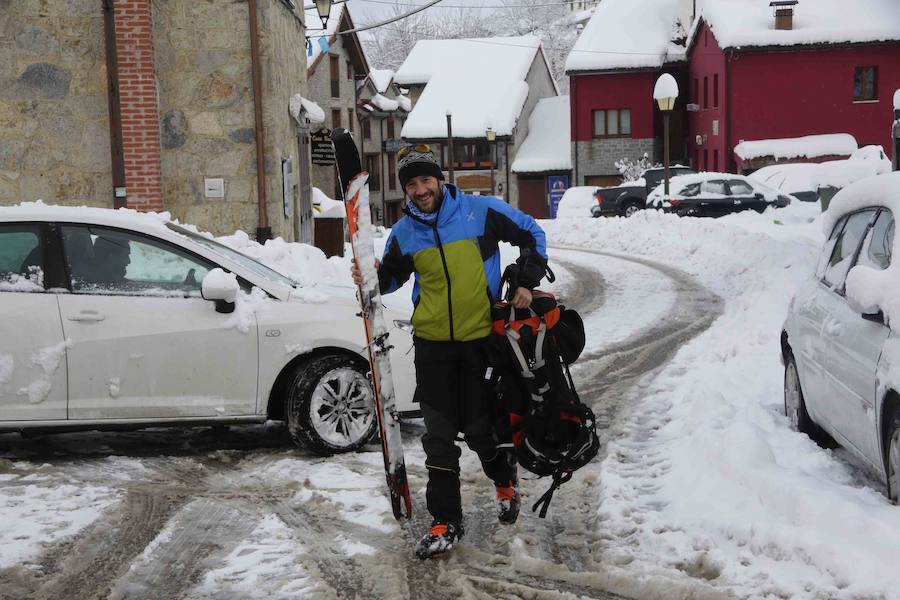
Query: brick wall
(139, 104)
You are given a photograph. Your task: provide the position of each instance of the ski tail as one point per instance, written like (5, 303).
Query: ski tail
(356, 201)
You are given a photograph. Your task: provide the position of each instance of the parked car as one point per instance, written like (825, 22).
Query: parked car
(117, 319)
(626, 199)
(796, 179)
(841, 354)
(715, 195)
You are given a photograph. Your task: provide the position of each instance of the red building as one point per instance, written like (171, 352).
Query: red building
(749, 80)
(612, 69)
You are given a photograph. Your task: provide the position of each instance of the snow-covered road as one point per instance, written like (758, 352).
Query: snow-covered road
(239, 513)
(702, 491)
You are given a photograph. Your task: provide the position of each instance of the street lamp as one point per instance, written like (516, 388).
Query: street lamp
(491, 136)
(665, 92)
(323, 7)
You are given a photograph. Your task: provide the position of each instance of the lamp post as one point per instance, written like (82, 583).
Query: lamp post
(665, 92)
(451, 156)
(491, 136)
(323, 7)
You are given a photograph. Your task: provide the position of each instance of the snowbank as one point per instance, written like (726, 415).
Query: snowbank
(868, 161)
(707, 481)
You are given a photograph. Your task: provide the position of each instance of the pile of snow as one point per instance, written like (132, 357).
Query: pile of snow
(628, 34)
(706, 481)
(325, 207)
(868, 161)
(483, 85)
(665, 87)
(303, 108)
(738, 23)
(547, 147)
(870, 287)
(809, 146)
(577, 202)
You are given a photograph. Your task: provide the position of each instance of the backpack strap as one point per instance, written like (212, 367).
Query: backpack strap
(559, 478)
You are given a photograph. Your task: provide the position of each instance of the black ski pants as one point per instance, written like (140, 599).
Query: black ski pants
(455, 397)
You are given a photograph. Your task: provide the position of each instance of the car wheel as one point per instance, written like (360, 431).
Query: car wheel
(631, 209)
(330, 405)
(794, 404)
(893, 458)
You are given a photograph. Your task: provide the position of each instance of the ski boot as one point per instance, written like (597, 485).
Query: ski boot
(508, 501)
(439, 540)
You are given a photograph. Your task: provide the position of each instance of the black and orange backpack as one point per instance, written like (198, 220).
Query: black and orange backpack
(552, 432)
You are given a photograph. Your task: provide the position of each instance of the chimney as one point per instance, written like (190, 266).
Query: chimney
(784, 13)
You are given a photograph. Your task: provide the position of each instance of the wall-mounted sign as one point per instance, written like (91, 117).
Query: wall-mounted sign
(322, 152)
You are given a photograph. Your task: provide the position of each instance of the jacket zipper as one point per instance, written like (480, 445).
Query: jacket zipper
(437, 238)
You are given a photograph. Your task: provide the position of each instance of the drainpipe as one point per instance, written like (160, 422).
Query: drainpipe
(263, 231)
(506, 153)
(574, 92)
(116, 146)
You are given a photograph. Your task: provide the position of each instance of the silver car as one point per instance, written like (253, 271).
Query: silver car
(839, 357)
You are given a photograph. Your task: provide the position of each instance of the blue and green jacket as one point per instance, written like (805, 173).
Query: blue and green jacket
(455, 257)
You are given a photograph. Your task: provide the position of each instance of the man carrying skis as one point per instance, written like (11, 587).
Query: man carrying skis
(449, 241)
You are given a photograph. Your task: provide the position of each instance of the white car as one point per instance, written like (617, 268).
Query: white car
(118, 319)
(840, 344)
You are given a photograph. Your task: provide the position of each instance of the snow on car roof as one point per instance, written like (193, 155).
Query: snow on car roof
(547, 146)
(482, 86)
(880, 190)
(628, 34)
(738, 23)
(789, 177)
(121, 217)
(868, 287)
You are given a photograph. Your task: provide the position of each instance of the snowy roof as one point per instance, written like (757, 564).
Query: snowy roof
(383, 103)
(629, 34)
(382, 79)
(737, 23)
(497, 55)
(547, 146)
(482, 86)
(808, 146)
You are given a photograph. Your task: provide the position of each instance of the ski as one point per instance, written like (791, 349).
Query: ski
(355, 183)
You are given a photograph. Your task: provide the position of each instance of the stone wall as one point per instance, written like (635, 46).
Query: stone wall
(207, 108)
(54, 117)
(598, 156)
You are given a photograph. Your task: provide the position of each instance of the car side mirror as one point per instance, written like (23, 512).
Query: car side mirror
(221, 288)
(759, 196)
(869, 313)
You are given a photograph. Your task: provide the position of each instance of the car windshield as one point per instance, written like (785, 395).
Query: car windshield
(233, 255)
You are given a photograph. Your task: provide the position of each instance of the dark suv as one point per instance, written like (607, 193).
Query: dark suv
(628, 198)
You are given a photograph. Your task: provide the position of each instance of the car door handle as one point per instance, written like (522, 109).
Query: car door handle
(833, 328)
(88, 316)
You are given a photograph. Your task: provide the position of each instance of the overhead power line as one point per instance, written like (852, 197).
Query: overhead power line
(386, 21)
(393, 2)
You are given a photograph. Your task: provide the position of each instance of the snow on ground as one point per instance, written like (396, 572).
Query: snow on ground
(41, 506)
(707, 478)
